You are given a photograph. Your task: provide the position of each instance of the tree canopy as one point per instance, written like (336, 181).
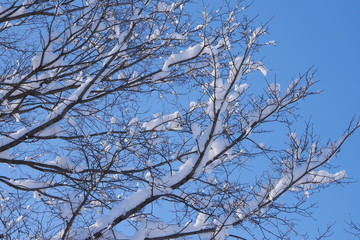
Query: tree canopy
(127, 119)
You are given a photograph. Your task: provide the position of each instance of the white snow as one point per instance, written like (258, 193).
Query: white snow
(18, 12)
(29, 183)
(241, 88)
(5, 154)
(91, 2)
(134, 121)
(254, 35)
(187, 54)
(323, 176)
(196, 130)
(271, 42)
(236, 69)
(170, 122)
(274, 88)
(160, 76)
(14, 136)
(19, 218)
(127, 204)
(200, 26)
(193, 105)
(65, 163)
(155, 35)
(115, 51)
(52, 130)
(259, 66)
(113, 120)
(201, 220)
(59, 109)
(37, 195)
(292, 86)
(299, 177)
(217, 146)
(163, 7)
(267, 111)
(45, 57)
(175, 36)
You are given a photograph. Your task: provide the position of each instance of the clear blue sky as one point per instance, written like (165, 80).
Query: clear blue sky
(326, 35)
